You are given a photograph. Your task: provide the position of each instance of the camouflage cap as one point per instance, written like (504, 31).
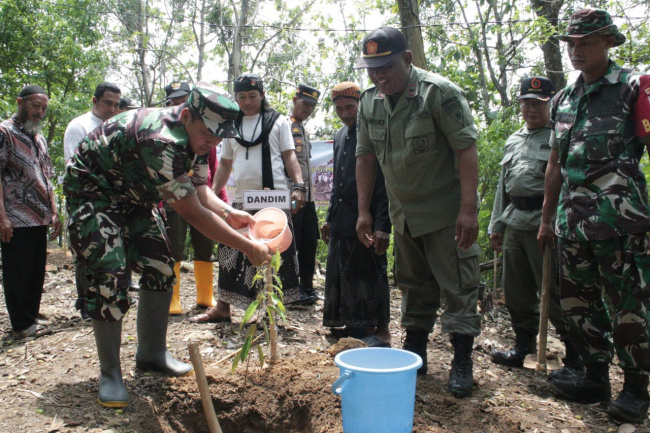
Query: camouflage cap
(217, 109)
(589, 21)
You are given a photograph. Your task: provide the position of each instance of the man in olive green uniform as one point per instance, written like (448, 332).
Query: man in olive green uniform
(305, 221)
(419, 127)
(516, 214)
(595, 184)
(117, 176)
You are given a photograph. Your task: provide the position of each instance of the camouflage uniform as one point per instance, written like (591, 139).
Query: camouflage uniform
(602, 218)
(117, 176)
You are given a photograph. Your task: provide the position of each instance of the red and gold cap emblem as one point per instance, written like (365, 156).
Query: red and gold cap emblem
(371, 47)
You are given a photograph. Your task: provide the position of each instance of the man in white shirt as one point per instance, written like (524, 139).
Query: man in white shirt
(106, 103)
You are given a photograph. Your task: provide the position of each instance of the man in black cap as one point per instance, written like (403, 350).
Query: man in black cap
(305, 220)
(126, 105)
(27, 208)
(516, 214)
(419, 127)
(176, 93)
(597, 189)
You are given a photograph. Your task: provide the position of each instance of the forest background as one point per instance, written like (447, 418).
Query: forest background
(485, 46)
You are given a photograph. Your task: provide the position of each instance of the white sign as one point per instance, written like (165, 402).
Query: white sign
(261, 199)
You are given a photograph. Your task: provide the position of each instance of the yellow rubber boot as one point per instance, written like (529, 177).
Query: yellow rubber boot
(203, 278)
(175, 306)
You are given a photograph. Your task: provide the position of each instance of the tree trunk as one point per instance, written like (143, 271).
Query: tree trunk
(200, 43)
(551, 48)
(409, 15)
(234, 69)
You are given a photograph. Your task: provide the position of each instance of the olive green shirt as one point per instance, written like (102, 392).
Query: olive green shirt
(415, 142)
(523, 167)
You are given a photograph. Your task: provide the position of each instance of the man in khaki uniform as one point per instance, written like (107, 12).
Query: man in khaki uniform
(419, 126)
(515, 221)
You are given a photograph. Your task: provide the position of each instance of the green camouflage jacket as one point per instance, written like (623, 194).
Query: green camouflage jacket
(138, 157)
(604, 191)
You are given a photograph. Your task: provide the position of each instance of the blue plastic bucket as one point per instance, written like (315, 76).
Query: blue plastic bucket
(377, 388)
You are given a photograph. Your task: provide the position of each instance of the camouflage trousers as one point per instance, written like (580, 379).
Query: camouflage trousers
(620, 268)
(104, 236)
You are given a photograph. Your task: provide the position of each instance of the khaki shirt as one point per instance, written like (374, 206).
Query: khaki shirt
(415, 142)
(303, 153)
(523, 168)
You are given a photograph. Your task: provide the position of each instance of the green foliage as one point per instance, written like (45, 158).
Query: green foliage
(267, 304)
(59, 46)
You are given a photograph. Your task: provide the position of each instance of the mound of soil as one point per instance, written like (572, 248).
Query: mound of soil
(49, 384)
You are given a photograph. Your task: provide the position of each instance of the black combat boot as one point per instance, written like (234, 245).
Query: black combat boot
(632, 403)
(525, 343)
(573, 366)
(416, 342)
(461, 378)
(593, 387)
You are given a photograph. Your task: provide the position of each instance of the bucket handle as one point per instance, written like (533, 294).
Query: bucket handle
(336, 386)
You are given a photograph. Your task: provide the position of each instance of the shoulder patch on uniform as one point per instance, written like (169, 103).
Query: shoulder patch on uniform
(295, 130)
(454, 109)
(298, 148)
(412, 88)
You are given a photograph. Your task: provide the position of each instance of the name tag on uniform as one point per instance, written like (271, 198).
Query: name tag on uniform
(261, 199)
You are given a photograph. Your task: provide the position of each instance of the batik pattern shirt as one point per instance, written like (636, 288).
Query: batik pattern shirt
(26, 172)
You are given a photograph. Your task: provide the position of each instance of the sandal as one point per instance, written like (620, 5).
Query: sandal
(33, 331)
(207, 318)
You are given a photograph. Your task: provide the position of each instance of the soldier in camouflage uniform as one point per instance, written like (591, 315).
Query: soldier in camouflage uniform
(118, 174)
(602, 218)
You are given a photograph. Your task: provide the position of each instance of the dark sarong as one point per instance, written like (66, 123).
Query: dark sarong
(356, 286)
(236, 275)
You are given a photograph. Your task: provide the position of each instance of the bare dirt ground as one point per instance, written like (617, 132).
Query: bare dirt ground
(50, 384)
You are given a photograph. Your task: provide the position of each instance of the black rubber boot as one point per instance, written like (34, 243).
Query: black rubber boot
(525, 343)
(573, 366)
(593, 387)
(416, 342)
(108, 337)
(152, 353)
(632, 403)
(461, 377)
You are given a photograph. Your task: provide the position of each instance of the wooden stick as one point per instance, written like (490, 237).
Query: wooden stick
(543, 314)
(273, 332)
(202, 381)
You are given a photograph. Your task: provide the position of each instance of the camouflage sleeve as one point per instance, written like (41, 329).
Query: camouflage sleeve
(454, 118)
(166, 164)
(199, 173)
